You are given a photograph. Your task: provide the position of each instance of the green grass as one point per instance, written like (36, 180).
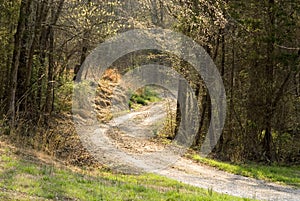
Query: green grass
(273, 173)
(35, 178)
(143, 97)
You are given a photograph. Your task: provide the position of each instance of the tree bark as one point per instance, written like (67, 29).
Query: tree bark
(269, 75)
(25, 4)
(41, 15)
(50, 85)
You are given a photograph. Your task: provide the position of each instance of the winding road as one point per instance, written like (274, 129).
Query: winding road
(126, 144)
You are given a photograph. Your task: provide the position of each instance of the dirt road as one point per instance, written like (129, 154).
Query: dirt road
(126, 144)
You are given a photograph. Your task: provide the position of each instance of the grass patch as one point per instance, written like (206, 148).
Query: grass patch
(40, 180)
(143, 97)
(283, 175)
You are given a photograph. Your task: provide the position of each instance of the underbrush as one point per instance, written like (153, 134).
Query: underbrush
(167, 133)
(55, 134)
(56, 137)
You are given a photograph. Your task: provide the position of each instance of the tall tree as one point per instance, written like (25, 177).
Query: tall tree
(24, 11)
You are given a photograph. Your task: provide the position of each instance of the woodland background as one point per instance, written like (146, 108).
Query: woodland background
(254, 44)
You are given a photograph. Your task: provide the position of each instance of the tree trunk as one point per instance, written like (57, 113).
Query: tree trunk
(27, 39)
(269, 75)
(43, 42)
(221, 144)
(25, 4)
(204, 103)
(50, 85)
(41, 15)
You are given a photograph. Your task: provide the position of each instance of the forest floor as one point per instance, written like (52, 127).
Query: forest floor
(132, 140)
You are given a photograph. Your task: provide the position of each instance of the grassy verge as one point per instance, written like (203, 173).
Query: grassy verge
(283, 175)
(29, 178)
